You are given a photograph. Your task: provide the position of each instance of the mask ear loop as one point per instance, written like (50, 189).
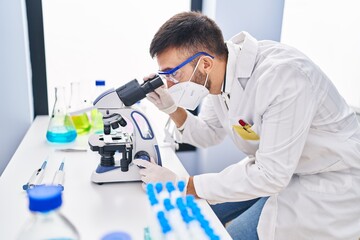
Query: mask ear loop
(207, 77)
(196, 66)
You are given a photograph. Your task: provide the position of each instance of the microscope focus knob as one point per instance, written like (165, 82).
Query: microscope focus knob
(142, 155)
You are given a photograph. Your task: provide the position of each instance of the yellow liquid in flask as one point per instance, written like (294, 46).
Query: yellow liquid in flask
(82, 123)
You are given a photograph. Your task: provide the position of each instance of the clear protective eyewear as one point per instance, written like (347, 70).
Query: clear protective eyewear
(172, 74)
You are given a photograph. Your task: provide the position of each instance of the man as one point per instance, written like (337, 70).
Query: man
(302, 175)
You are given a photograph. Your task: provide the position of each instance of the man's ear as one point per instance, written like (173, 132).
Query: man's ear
(207, 64)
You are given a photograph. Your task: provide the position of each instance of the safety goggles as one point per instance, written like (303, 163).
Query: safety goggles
(173, 74)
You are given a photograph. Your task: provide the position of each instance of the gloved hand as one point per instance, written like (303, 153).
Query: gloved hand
(153, 173)
(162, 100)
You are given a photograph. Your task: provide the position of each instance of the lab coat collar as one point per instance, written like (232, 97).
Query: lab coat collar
(240, 64)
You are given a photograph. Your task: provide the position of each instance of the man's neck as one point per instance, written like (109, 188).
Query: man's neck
(217, 77)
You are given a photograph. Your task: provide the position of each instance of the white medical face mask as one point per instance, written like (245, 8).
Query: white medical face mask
(189, 94)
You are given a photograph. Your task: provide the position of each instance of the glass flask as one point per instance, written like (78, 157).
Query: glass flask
(78, 110)
(61, 128)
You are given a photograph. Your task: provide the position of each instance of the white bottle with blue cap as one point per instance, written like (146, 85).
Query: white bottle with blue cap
(46, 221)
(95, 115)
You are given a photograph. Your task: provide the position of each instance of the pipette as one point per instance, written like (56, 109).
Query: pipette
(59, 176)
(36, 178)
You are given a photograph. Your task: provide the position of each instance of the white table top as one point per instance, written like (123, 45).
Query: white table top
(94, 209)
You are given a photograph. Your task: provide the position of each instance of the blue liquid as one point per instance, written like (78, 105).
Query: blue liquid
(62, 137)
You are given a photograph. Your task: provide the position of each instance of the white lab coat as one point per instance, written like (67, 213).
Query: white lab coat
(308, 156)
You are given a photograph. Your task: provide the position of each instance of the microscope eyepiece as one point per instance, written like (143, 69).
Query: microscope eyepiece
(132, 92)
(152, 84)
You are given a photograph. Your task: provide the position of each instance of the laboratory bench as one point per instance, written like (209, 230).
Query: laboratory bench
(94, 209)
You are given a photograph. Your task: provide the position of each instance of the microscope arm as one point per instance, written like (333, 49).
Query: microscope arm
(108, 100)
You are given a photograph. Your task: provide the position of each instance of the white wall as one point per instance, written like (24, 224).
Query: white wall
(262, 19)
(15, 91)
(109, 41)
(325, 30)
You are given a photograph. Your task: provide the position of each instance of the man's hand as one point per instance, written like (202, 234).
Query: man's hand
(161, 98)
(153, 173)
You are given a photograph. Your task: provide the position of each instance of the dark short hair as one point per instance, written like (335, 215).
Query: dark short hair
(190, 32)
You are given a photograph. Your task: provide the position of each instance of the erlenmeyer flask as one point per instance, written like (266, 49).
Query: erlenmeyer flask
(61, 128)
(78, 110)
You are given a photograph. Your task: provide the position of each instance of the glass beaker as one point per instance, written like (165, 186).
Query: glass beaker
(61, 128)
(78, 110)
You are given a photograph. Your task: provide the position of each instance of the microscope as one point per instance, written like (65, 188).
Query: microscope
(131, 141)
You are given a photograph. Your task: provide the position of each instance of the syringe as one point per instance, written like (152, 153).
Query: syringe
(59, 176)
(36, 178)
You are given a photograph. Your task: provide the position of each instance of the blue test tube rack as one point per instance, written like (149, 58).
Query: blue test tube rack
(176, 215)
